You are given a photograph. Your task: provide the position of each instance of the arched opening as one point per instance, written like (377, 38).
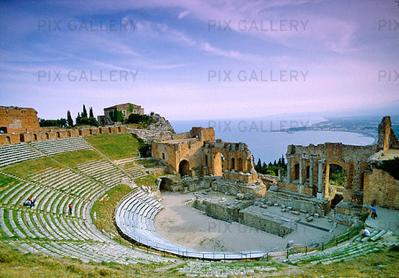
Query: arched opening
(80, 132)
(240, 165)
(91, 132)
(3, 130)
(69, 134)
(35, 137)
(184, 168)
(233, 164)
(337, 175)
(165, 184)
(206, 160)
(217, 164)
(58, 135)
(47, 136)
(8, 139)
(100, 130)
(337, 198)
(296, 172)
(163, 156)
(119, 129)
(21, 138)
(110, 130)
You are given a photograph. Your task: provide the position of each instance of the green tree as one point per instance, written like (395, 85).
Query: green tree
(84, 113)
(117, 116)
(91, 113)
(69, 119)
(258, 166)
(78, 119)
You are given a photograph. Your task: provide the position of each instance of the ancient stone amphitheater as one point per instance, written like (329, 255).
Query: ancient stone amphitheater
(48, 227)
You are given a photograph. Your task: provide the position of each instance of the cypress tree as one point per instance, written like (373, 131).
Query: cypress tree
(78, 119)
(69, 119)
(258, 166)
(84, 113)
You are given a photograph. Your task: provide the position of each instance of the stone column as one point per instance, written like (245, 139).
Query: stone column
(301, 164)
(301, 171)
(320, 180)
(288, 169)
(311, 171)
(279, 174)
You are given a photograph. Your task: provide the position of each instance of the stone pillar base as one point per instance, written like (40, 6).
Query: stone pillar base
(319, 196)
(300, 188)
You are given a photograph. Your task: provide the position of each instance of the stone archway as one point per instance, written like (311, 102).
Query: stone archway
(296, 171)
(184, 168)
(240, 166)
(217, 169)
(337, 175)
(338, 197)
(233, 164)
(165, 184)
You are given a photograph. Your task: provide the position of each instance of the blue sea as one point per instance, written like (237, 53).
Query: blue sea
(268, 139)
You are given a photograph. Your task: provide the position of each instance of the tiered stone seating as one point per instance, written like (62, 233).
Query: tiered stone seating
(103, 171)
(339, 253)
(11, 154)
(51, 147)
(135, 217)
(136, 171)
(48, 229)
(69, 182)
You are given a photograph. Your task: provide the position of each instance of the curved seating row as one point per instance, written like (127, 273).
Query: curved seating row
(102, 171)
(51, 147)
(135, 218)
(11, 154)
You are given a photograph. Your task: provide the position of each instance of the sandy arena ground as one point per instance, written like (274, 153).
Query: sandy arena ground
(189, 227)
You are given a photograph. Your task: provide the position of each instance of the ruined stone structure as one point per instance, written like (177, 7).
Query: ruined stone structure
(197, 153)
(18, 120)
(44, 134)
(125, 110)
(343, 175)
(386, 136)
(21, 125)
(381, 186)
(310, 167)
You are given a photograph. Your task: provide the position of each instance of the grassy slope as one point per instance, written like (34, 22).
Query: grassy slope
(6, 181)
(382, 264)
(15, 264)
(116, 146)
(149, 180)
(105, 206)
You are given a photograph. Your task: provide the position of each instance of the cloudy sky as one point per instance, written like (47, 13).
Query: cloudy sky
(192, 59)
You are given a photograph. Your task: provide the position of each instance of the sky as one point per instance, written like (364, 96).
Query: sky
(191, 59)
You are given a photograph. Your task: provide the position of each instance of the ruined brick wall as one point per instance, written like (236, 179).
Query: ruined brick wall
(203, 134)
(18, 120)
(44, 134)
(207, 156)
(352, 159)
(386, 136)
(381, 187)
